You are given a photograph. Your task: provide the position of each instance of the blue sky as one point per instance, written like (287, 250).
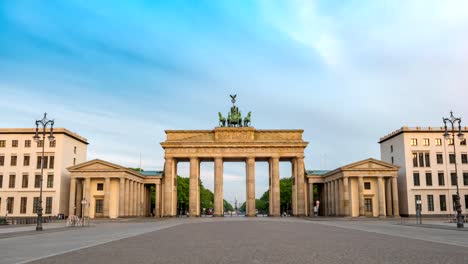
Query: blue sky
(120, 72)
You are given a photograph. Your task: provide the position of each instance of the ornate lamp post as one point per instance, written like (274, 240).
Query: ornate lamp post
(44, 122)
(452, 121)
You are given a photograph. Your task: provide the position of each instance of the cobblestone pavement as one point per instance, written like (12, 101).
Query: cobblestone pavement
(264, 240)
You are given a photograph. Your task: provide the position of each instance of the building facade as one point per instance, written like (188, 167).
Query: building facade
(20, 171)
(427, 169)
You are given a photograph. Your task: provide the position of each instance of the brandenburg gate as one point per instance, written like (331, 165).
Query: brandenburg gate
(240, 143)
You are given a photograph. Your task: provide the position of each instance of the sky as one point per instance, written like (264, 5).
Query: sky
(121, 72)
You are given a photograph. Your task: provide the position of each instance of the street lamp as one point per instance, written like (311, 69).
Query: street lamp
(418, 211)
(44, 122)
(452, 121)
(83, 204)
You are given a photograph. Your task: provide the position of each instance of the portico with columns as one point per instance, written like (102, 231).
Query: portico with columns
(364, 188)
(239, 144)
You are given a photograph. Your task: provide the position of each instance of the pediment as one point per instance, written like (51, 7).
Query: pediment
(96, 165)
(370, 164)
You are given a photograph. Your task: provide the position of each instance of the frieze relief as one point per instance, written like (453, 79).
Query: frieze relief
(232, 150)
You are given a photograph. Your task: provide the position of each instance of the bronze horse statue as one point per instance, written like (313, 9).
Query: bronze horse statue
(247, 119)
(222, 120)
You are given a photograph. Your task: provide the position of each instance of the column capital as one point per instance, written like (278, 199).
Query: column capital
(250, 159)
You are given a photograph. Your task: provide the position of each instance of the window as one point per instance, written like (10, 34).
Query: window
(415, 160)
(464, 158)
(421, 159)
(367, 185)
(14, 143)
(391, 148)
(1, 181)
(40, 143)
(414, 142)
(100, 186)
(452, 158)
(454, 198)
(426, 142)
(99, 206)
(74, 161)
(463, 142)
(23, 205)
(2, 160)
(74, 150)
(11, 183)
(465, 178)
(430, 203)
(39, 159)
(48, 206)
(26, 160)
(427, 159)
(35, 204)
(450, 141)
(438, 142)
(368, 205)
(428, 179)
(440, 158)
(37, 181)
(14, 160)
(27, 143)
(50, 181)
(441, 177)
(24, 182)
(393, 160)
(2, 143)
(416, 178)
(51, 162)
(416, 199)
(466, 201)
(52, 144)
(10, 202)
(453, 178)
(443, 203)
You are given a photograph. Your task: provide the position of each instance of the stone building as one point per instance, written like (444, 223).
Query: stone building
(20, 159)
(427, 169)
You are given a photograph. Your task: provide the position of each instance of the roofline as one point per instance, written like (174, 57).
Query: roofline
(58, 130)
(257, 130)
(415, 130)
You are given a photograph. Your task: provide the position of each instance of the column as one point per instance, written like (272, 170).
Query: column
(340, 197)
(346, 198)
(157, 201)
(121, 197)
(132, 198)
(127, 198)
(388, 196)
(169, 182)
(79, 197)
(300, 187)
(336, 203)
(396, 209)
(275, 185)
(194, 187)
(250, 182)
(270, 188)
(72, 202)
(135, 196)
(142, 199)
(381, 189)
(218, 187)
(87, 195)
(138, 195)
(294, 186)
(311, 199)
(361, 195)
(106, 196)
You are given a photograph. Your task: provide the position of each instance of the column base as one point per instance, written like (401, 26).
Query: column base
(218, 215)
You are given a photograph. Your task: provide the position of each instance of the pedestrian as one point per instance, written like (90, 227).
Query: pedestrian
(315, 210)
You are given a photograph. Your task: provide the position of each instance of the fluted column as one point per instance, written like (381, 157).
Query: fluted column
(301, 192)
(127, 198)
(250, 182)
(361, 195)
(346, 198)
(169, 184)
(72, 202)
(121, 197)
(336, 198)
(381, 189)
(138, 199)
(218, 187)
(275, 185)
(157, 209)
(194, 187)
(87, 195)
(135, 197)
(106, 196)
(294, 186)
(311, 199)
(396, 209)
(388, 196)
(340, 197)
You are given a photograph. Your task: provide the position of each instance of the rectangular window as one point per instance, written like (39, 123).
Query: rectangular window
(51, 162)
(100, 186)
(48, 207)
(454, 198)
(1, 181)
(463, 142)
(440, 158)
(2, 143)
(393, 160)
(99, 206)
(24, 200)
(14, 160)
(465, 178)
(27, 143)
(416, 178)
(464, 158)
(443, 203)
(438, 142)
(427, 159)
(74, 150)
(14, 143)
(428, 179)
(391, 148)
(426, 142)
(415, 160)
(421, 159)
(414, 142)
(416, 199)
(45, 162)
(466, 201)
(2, 160)
(50, 181)
(52, 144)
(452, 158)
(367, 185)
(430, 203)
(450, 141)
(11, 183)
(441, 177)
(39, 159)
(35, 204)
(453, 178)
(40, 143)
(26, 160)
(24, 182)
(10, 203)
(37, 181)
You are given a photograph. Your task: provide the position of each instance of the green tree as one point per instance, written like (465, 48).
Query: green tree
(285, 196)
(227, 206)
(183, 192)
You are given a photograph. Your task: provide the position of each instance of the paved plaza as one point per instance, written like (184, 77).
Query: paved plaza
(239, 240)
